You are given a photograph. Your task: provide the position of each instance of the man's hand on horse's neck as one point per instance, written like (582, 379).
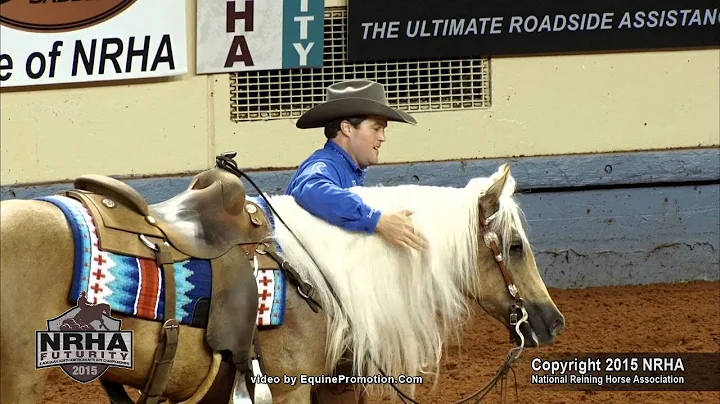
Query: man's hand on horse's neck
(398, 229)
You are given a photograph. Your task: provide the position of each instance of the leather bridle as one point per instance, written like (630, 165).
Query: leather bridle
(492, 241)
(518, 314)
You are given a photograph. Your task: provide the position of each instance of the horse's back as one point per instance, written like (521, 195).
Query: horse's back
(30, 213)
(30, 230)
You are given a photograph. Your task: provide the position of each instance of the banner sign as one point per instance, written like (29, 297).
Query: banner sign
(51, 42)
(242, 35)
(407, 29)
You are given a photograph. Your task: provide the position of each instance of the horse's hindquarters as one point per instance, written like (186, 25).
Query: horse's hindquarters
(36, 259)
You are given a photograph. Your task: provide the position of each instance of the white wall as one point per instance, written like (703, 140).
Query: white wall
(540, 106)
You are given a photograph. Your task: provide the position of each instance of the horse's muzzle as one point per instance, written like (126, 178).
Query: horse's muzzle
(544, 324)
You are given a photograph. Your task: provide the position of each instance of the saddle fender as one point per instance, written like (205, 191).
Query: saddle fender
(233, 308)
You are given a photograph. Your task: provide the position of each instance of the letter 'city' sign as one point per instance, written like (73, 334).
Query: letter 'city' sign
(241, 35)
(407, 29)
(51, 42)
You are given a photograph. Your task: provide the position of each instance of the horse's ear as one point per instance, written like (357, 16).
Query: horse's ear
(490, 201)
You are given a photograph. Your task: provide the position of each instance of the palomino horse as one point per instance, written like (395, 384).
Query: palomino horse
(385, 308)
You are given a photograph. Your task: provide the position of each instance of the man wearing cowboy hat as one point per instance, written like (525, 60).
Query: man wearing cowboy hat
(354, 116)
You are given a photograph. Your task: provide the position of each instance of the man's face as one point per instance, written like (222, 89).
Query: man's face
(364, 142)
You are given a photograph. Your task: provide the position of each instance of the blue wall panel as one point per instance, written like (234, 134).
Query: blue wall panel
(531, 173)
(622, 236)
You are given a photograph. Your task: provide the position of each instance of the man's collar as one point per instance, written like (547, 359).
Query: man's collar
(335, 147)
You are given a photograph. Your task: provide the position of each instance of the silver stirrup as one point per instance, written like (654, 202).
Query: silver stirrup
(240, 393)
(262, 390)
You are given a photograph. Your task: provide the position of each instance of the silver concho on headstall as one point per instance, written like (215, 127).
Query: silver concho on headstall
(490, 237)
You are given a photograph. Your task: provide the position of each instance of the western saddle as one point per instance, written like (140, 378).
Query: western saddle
(213, 220)
(205, 221)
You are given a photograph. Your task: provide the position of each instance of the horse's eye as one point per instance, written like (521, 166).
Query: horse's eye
(516, 247)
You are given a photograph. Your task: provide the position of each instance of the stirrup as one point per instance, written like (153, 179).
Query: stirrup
(261, 391)
(240, 393)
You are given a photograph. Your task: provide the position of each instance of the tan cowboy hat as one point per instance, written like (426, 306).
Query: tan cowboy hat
(352, 98)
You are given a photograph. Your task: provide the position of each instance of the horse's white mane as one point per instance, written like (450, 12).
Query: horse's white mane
(397, 306)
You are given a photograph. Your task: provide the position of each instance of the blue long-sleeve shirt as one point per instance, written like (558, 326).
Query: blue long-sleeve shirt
(320, 186)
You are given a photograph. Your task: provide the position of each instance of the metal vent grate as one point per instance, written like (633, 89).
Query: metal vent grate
(411, 85)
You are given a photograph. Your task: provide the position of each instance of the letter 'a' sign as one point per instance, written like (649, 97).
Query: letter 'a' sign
(407, 29)
(52, 42)
(242, 35)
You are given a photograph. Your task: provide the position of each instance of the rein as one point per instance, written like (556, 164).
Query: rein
(225, 161)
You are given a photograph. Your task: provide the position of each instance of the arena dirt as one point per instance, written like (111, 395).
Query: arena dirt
(655, 318)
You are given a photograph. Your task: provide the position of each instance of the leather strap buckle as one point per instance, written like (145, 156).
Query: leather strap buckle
(172, 323)
(302, 293)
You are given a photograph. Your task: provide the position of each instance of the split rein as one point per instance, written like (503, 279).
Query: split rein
(226, 162)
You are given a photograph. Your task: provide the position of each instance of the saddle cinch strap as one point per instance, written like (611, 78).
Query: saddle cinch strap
(165, 351)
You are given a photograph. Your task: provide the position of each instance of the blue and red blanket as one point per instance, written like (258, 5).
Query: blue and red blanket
(133, 286)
